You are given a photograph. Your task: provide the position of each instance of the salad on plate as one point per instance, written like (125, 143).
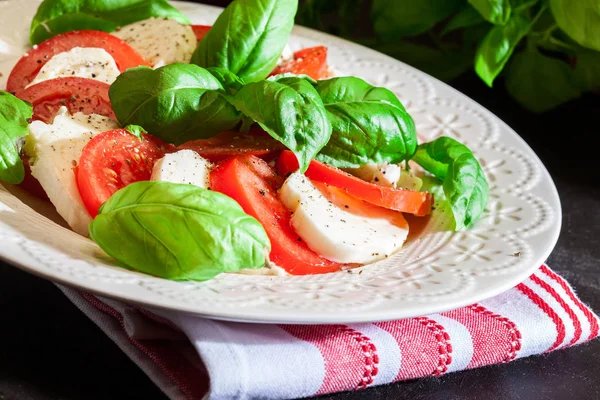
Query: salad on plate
(186, 151)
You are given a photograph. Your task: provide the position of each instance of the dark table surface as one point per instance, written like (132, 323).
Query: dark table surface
(50, 350)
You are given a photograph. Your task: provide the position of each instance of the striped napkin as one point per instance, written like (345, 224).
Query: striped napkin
(190, 357)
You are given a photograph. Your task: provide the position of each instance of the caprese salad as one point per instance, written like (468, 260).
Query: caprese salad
(187, 151)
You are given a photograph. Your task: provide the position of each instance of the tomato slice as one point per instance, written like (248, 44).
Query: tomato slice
(253, 184)
(200, 31)
(77, 94)
(408, 201)
(30, 64)
(113, 160)
(310, 61)
(228, 144)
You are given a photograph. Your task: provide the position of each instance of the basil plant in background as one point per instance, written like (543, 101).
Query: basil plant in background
(546, 52)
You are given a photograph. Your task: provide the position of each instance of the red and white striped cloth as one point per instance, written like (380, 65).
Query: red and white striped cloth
(249, 361)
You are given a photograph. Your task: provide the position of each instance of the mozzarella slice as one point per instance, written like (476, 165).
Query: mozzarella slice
(286, 55)
(55, 150)
(339, 227)
(183, 166)
(160, 41)
(386, 174)
(84, 62)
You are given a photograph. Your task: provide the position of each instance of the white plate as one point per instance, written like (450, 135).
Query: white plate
(437, 271)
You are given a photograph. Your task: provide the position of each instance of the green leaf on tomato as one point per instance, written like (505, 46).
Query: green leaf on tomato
(369, 123)
(178, 231)
(291, 111)
(176, 103)
(464, 183)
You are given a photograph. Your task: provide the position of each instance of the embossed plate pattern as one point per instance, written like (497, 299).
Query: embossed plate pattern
(438, 271)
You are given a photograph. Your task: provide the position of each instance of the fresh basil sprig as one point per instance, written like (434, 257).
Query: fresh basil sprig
(291, 111)
(178, 231)
(579, 19)
(15, 115)
(464, 182)
(248, 37)
(177, 102)
(370, 125)
(59, 16)
(495, 11)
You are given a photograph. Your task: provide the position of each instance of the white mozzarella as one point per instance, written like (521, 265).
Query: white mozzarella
(183, 166)
(386, 174)
(286, 55)
(339, 227)
(161, 41)
(55, 150)
(83, 62)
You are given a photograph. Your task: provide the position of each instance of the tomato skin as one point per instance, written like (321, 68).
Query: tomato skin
(251, 182)
(200, 31)
(77, 94)
(310, 61)
(30, 64)
(408, 201)
(30, 184)
(230, 143)
(113, 160)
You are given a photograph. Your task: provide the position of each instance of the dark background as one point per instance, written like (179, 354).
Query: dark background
(50, 350)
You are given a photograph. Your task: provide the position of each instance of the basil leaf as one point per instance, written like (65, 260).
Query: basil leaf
(230, 81)
(396, 18)
(248, 37)
(464, 182)
(135, 130)
(466, 17)
(178, 231)
(494, 11)
(540, 83)
(498, 45)
(15, 115)
(177, 102)
(291, 111)
(579, 19)
(587, 69)
(370, 125)
(59, 16)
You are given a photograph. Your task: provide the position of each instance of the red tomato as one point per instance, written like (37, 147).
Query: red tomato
(77, 94)
(229, 144)
(311, 61)
(30, 64)
(113, 160)
(200, 31)
(408, 201)
(253, 184)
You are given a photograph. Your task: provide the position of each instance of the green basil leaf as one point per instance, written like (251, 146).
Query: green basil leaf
(59, 16)
(498, 45)
(495, 11)
(248, 37)
(370, 125)
(579, 19)
(177, 102)
(291, 111)
(464, 182)
(397, 18)
(230, 81)
(178, 231)
(467, 16)
(587, 69)
(135, 130)
(15, 115)
(540, 83)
